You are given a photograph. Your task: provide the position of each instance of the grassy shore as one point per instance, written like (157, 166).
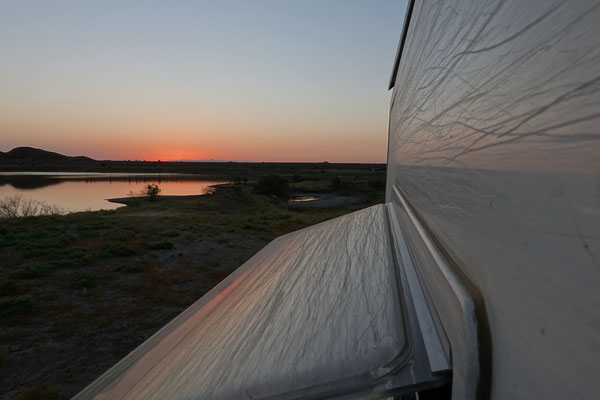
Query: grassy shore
(80, 291)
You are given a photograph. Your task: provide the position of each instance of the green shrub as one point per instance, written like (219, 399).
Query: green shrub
(272, 185)
(8, 287)
(377, 184)
(62, 263)
(297, 178)
(36, 243)
(116, 250)
(162, 245)
(90, 234)
(41, 391)
(76, 255)
(336, 183)
(75, 252)
(7, 240)
(17, 305)
(129, 268)
(84, 279)
(31, 271)
(72, 257)
(121, 235)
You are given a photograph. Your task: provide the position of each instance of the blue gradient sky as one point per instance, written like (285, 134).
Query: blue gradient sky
(242, 80)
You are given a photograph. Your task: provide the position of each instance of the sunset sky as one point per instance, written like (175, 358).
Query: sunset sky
(261, 80)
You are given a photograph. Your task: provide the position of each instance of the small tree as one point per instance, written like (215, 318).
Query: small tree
(9, 207)
(336, 183)
(152, 191)
(240, 180)
(272, 185)
(297, 178)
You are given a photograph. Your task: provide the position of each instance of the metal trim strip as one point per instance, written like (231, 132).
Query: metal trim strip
(465, 341)
(437, 357)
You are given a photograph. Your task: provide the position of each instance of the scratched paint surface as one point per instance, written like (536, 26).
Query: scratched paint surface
(317, 309)
(495, 141)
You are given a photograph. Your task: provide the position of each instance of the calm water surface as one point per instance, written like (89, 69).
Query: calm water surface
(89, 191)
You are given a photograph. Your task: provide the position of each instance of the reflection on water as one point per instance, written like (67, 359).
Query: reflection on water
(302, 199)
(27, 182)
(89, 191)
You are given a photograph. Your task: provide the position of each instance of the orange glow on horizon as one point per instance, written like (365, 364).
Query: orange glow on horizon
(226, 144)
(172, 154)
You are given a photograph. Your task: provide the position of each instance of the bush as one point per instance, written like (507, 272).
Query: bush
(240, 180)
(116, 250)
(31, 272)
(129, 268)
(84, 280)
(8, 287)
(10, 306)
(41, 391)
(162, 245)
(77, 254)
(7, 240)
(377, 184)
(72, 257)
(152, 191)
(35, 243)
(272, 185)
(297, 178)
(336, 183)
(251, 227)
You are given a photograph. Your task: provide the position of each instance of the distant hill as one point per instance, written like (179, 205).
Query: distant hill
(33, 154)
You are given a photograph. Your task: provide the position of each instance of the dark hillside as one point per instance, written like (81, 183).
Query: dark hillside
(33, 154)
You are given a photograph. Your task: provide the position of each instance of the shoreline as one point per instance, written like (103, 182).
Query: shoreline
(325, 200)
(134, 200)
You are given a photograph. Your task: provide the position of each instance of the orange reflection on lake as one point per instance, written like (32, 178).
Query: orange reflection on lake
(89, 192)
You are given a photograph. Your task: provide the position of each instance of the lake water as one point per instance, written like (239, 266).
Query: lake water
(89, 191)
(303, 199)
